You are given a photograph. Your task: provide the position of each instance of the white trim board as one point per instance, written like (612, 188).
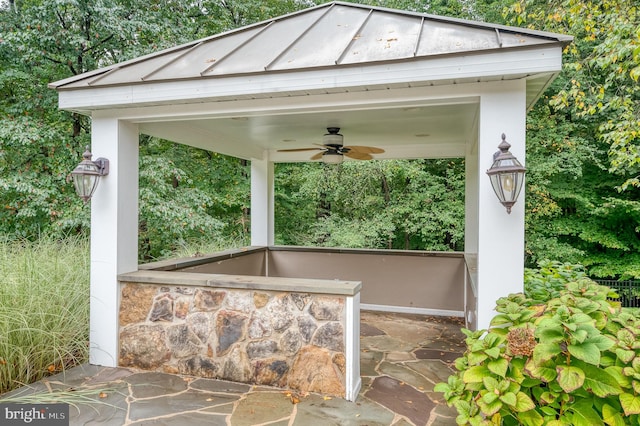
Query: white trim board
(409, 310)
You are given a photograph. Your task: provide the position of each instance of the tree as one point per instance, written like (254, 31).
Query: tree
(582, 137)
(394, 204)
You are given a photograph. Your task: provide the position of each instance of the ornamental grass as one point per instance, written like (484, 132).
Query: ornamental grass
(44, 308)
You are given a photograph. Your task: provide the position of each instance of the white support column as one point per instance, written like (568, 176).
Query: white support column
(114, 231)
(262, 181)
(500, 235)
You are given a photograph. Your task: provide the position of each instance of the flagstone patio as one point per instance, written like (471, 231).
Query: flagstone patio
(402, 358)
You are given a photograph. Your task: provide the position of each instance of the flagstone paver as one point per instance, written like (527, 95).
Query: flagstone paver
(402, 358)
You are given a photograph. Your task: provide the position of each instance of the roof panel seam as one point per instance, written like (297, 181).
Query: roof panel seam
(286, 49)
(353, 38)
(145, 77)
(415, 50)
(210, 67)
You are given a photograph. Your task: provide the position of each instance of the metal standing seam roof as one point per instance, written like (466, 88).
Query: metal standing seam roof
(335, 34)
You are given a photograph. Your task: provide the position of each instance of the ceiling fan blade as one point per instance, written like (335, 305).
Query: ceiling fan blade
(317, 156)
(365, 149)
(299, 149)
(358, 155)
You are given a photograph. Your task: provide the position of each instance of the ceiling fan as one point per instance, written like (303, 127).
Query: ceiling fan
(333, 151)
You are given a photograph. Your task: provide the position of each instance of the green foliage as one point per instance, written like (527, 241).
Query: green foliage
(550, 279)
(561, 354)
(583, 137)
(44, 308)
(375, 204)
(188, 197)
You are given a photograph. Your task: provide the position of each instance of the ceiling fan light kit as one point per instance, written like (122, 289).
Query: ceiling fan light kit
(333, 151)
(332, 157)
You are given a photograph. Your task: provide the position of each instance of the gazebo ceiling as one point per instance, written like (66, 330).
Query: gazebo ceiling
(227, 84)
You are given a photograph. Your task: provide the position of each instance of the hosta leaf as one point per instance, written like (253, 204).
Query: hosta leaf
(630, 403)
(587, 352)
(475, 374)
(570, 378)
(611, 416)
(545, 351)
(498, 366)
(530, 418)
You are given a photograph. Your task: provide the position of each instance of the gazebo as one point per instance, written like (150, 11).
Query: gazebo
(415, 85)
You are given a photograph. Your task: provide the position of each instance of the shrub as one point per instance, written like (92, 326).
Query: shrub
(44, 308)
(573, 359)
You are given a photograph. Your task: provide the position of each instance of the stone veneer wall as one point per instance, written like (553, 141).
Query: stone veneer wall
(288, 340)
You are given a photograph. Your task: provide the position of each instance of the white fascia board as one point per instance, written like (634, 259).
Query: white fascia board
(472, 67)
(466, 93)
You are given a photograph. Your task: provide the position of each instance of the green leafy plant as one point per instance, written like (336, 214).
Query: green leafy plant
(572, 359)
(44, 308)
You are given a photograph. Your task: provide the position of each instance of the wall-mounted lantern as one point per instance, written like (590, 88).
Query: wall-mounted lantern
(506, 174)
(86, 175)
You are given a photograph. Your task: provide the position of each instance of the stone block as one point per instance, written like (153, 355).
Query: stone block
(270, 372)
(241, 301)
(181, 307)
(260, 300)
(135, 302)
(200, 323)
(260, 325)
(300, 300)
(229, 329)
(290, 342)
(279, 309)
(314, 371)
(330, 336)
(182, 342)
(327, 308)
(261, 349)
(307, 327)
(143, 346)
(237, 367)
(162, 309)
(208, 300)
(199, 367)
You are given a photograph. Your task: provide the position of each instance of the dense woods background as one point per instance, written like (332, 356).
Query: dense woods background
(583, 139)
